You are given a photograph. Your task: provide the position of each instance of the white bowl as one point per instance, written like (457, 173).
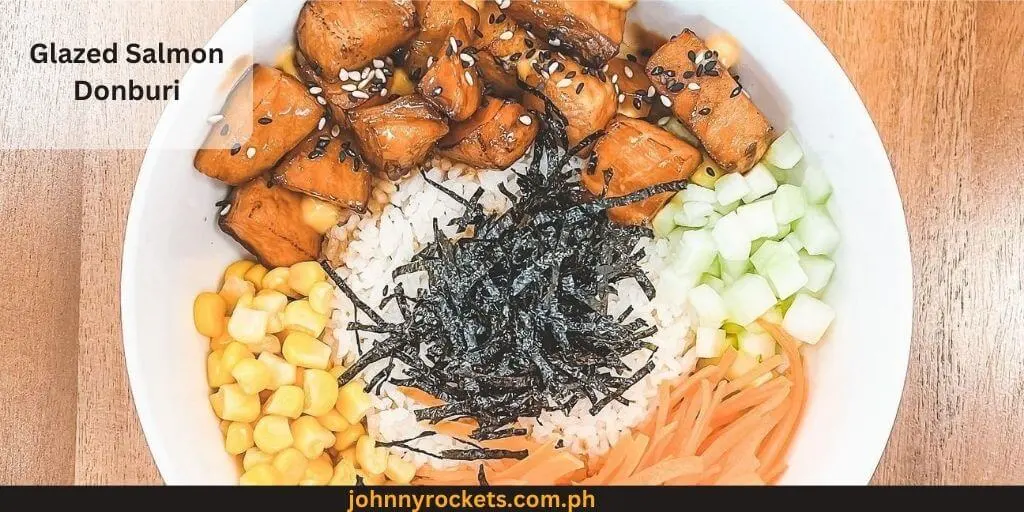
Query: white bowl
(173, 249)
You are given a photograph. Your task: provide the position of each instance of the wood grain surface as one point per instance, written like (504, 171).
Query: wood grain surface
(940, 79)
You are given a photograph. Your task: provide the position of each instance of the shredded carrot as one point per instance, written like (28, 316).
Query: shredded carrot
(632, 459)
(421, 396)
(614, 460)
(666, 470)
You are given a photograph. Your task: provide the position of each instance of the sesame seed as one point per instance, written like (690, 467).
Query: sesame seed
(322, 123)
(565, 82)
(676, 87)
(225, 129)
(226, 210)
(349, 87)
(343, 75)
(553, 67)
(363, 84)
(571, 74)
(615, 79)
(657, 70)
(215, 119)
(630, 57)
(694, 86)
(437, 91)
(704, 111)
(528, 42)
(637, 104)
(651, 92)
(663, 121)
(384, 92)
(622, 97)
(506, 35)
(605, 68)
(666, 101)
(360, 95)
(469, 78)
(736, 91)
(526, 120)
(235, 148)
(321, 100)
(430, 61)
(628, 72)
(377, 63)
(454, 44)
(555, 42)
(251, 153)
(380, 75)
(366, 73)
(315, 90)
(579, 88)
(466, 58)
(335, 131)
(504, 4)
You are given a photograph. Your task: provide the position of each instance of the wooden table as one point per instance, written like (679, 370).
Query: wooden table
(941, 79)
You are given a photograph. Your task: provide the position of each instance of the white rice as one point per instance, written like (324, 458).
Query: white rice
(379, 244)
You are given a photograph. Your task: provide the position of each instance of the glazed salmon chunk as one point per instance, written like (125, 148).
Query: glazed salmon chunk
(590, 30)
(328, 168)
(398, 136)
(709, 102)
(436, 19)
(587, 101)
(265, 116)
(633, 155)
(497, 135)
(452, 83)
(267, 220)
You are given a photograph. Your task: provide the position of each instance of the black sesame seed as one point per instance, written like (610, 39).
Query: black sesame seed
(630, 57)
(448, 51)
(602, 76)
(657, 70)
(528, 42)
(527, 25)
(490, 19)
(736, 91)
(515, 56)
(225, 129)
(710, 171)
(676, 87)
(316, 153)
(688, 74)
(265, 120)
(531, 53)
(570, 75)
(637, 104)
(477, 33)
(500, 18)
(416, 73)
(579, 88)
(341, 157)
(235, 148)
(708, 54)
(692, 56)
(712, 73)
(704, 111)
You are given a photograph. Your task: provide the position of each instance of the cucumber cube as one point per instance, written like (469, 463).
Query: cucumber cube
(708, 305)
(819, 271)
(784, 231)
(761, 183)
(794, 241)
(757, 344)
(789, 204)
(785, 152)
(733, 269)
(663, 223)
(815, 185)
(710, 342)
(758, 219)
(748, 298)
(731, 188)
(694, 214)
(817, 231)
(732, 240)
(769, 251)
(785, 275)
(714, 282)
(808, 318)
(695, 252)
(695, 193)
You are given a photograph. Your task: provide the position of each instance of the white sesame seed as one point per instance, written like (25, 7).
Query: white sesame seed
(651, 92)
(430, 61)
(366, 73)
(321, 100)
(364, 83)
(380, 75)
(384, 92)
(466, 58)
(454, 44)
(553, 67)
(251, 153)
(565, 82)
(349, 87)
(506, 35)
(226, 210)
(360, 95)
(628, 72)
(555, 42)
(604, 69)
(469, 78)
(615, 79)
(622, 97)
(343, 75)
(529, 33)
(389, 60)
(525, 119)
(504, 4)
(665, 101)
(322, 123)
(335, 131)
(437, 91)
(694, 86)
(377, 63)
(315, 90)
(663, 121)
(215, 119)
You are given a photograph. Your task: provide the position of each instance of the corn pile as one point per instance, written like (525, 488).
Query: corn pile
(275, 386)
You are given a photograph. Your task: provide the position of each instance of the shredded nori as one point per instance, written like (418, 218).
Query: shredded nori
(514, 321)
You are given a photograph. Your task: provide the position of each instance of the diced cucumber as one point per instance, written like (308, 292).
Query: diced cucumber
(784, 231)
(794, 241)
(785, 275)
(731, 188)
(663, 223)
(808, 318)
(781, 175)
(760, 345)
(714, 218)
(732, 328)
(761, 183)
(731, 239)
(785, 152)
(673, 285)
(756, 244)
(819, 271)
(815, 185)
(674, 238)
(748, 298)
(727, 208)
(695, 252)
(715, 283)
(817, 231)
(789, 204)
(695, 193)
(758, 219)
(694, 214)
(677, 128)
(707, 174)
(768, 252)
(708, 305)
(733, 269)
(710, 342)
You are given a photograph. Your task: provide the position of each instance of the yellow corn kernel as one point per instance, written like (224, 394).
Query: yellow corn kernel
(353, 402)
(270, 344)
(261, 474)
(318, 472)
(282, 373)
(291, 464)
(344, 473)
(320, 390)
(216, 375)
(254, 456)
(285, 401)
(306, 351)
(271, 301)
(232, 354)
(238, 269)
(272, 434)
(245, 301)
(372, 458)
(321, 296)
(303, 275)
(238, 438)
(248, 325)
(208, 312)
(349, 454)
(333, 420)
(233, 289)
(369, 478)
(401, 83)
(310, 437)
(232, 404)
(275, 324)
(252, 375)
(319, 215)
(277, 279)
(255, 275)
(400, 471)
(219, 342)
(336, 371)
(224, 424)
(299, 316)
(347, 439)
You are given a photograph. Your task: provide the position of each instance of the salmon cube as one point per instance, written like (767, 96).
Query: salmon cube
(267, 220)
(327, 168)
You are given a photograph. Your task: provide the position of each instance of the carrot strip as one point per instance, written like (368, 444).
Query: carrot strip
(421, 396)
(659, 441)
(780, 438)
(663, 406)
(560, 465)
(734, 405)
(691, 383)
(539, 457)
(640, 443)
(615, 458)
(703, 418)
(666, 470)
